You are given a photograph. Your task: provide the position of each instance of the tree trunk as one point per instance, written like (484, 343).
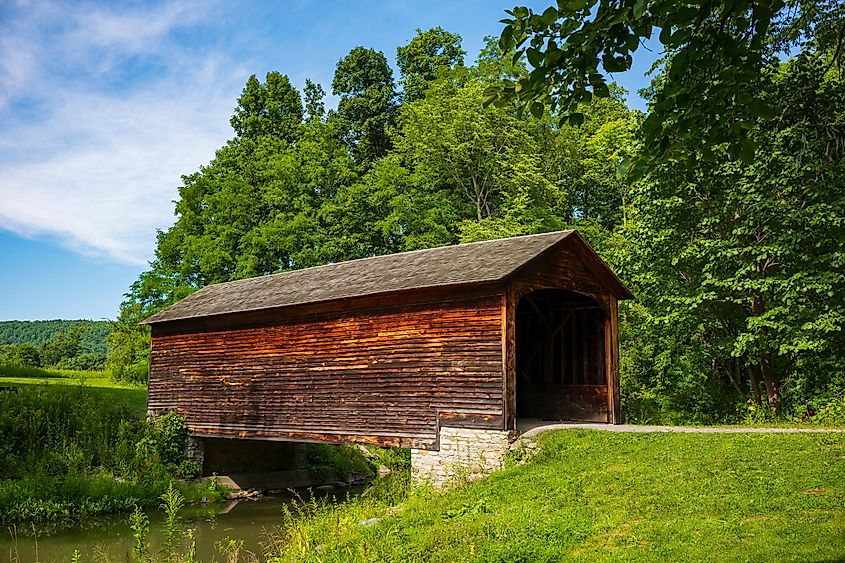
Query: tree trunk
(770, 379)
(734, 376)
(755, 384)
(479, 197)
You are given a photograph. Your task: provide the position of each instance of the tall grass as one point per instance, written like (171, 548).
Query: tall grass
(71, 451)
(63, 430)
(313, 523)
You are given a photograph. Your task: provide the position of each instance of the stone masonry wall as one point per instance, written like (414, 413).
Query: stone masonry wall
(195, 451)
(464, 453)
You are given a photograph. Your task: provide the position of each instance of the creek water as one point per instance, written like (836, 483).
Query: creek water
(110, 538)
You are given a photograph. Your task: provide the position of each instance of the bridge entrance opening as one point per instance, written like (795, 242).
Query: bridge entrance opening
(561, 357)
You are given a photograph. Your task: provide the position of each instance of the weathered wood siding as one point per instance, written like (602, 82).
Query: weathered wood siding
(383, 376)
(562, 268)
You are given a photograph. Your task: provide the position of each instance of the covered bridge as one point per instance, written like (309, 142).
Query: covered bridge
(439, 350)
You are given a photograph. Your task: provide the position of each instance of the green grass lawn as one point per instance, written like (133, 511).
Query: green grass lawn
(98, 381)
(601, 496)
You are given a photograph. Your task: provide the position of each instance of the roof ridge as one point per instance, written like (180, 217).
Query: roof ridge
(403, 253)
(456, 264)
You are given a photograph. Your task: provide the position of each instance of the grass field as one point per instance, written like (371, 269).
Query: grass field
(99, 382)
(600, 496)
(48, 373)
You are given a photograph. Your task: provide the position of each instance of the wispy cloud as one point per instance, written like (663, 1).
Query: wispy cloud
(96, 163)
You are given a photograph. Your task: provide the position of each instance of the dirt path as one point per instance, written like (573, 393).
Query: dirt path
(529, 428)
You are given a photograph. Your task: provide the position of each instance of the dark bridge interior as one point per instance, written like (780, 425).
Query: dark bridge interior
(560, 357)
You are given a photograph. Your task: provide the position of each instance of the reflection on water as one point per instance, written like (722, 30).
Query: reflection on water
(110, 539)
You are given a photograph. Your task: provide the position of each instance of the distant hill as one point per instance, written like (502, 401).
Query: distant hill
(38, 332)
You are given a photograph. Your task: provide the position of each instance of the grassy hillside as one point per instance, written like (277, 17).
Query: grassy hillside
(39, 332)
(600, 496)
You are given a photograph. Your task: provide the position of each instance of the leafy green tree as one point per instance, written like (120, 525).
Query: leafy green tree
(315, 106)
(585, 159)
(129, 346)
(62, 345)
(739, 266)
(425, 57)
(367, 107)
(484, 156)
(273, 108)
(23, 355)
(717, 56)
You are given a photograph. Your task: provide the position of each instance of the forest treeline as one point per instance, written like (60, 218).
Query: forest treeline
(65, 344)
(736, 262)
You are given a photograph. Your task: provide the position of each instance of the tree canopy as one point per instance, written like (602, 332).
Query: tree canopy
(426, 56)
(716, 56)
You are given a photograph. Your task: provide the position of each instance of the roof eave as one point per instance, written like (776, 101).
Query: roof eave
(156, 320)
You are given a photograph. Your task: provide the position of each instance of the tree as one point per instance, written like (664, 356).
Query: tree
(315, 106)
(585, 158)
(425, 57)
(364, 82)
(739, 265)
(273, 108)
(62, 345)
(484, 156)
(129, 345)
(717, 53)
(24, 355)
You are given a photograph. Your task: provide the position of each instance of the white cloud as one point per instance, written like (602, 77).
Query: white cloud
(93, 163)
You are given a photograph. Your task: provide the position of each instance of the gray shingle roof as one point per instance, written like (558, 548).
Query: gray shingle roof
(461, 264)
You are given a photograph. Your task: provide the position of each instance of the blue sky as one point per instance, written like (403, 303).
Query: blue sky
(103, 106)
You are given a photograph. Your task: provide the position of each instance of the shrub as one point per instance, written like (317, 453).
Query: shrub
(21, 355)
(90, 361)
(831, 413)
(70, 451)
(344, 458)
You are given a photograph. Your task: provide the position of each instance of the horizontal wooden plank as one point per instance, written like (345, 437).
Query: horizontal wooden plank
(377, 376)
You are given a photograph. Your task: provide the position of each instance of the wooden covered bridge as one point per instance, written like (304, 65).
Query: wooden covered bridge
(439, 350)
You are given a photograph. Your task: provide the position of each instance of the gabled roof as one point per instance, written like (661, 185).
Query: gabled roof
(463, 264)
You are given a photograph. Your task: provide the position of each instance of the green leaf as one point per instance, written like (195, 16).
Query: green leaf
(639, 8)
(746, 153)
(537, 109)
(613, 63)
(506, 39)
(666, 34)
(535, 57)
(623, 168)
(536, 77)
(576, 119)
(601, 90)
(549, 16)
(677, 38)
